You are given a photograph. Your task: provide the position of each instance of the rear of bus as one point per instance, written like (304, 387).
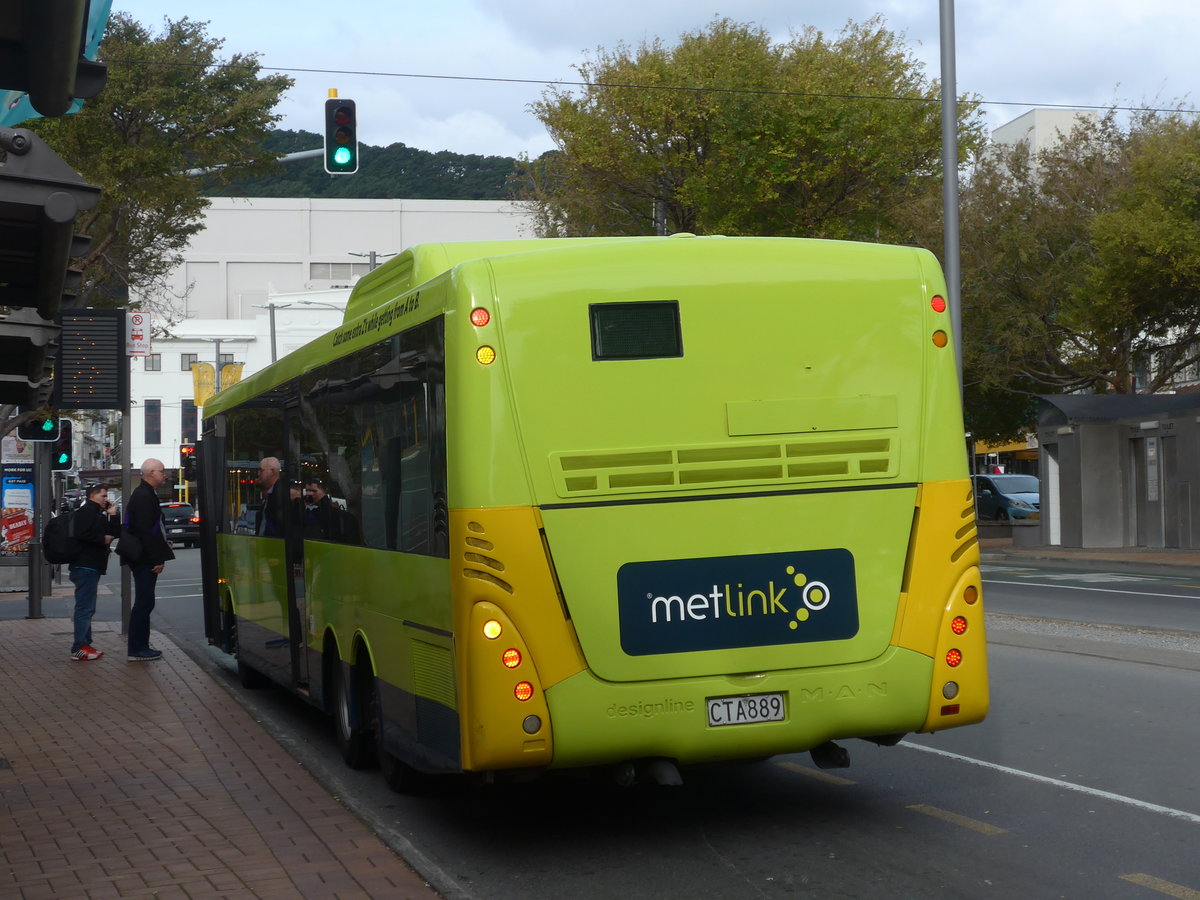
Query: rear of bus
(709, 500)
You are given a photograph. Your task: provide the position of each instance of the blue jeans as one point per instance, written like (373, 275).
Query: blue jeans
(85, 581)
(144, 580)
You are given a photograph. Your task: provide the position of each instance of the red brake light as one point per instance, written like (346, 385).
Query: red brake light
(480, 317)
(953, 658)
(512, 657)
(938, 303)
(523, 691)
(195, 520)
(958, 625)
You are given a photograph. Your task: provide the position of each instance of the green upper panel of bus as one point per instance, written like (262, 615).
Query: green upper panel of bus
(423, 262)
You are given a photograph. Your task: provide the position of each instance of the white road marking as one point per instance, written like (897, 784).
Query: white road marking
(1091, 792)
(1080, 587)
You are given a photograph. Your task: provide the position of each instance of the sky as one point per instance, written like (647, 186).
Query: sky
(1015, 54)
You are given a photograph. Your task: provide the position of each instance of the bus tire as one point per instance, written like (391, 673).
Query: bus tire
(354, 737)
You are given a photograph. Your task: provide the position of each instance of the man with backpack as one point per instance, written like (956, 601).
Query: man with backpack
(95, 525)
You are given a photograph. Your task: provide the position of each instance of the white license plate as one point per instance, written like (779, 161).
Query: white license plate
(176, 530)
(745, 709)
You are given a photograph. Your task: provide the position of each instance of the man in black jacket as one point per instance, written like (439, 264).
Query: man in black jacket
(95, 526)
(143, 518)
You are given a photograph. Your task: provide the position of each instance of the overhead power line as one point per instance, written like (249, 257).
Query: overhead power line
(660, 87)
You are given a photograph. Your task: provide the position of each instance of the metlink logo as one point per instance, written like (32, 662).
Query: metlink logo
(672, 606)
(737, 600)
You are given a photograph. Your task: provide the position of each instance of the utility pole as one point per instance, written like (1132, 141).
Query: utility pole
(373, 258)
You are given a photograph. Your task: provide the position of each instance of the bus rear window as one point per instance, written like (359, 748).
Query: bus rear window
(647, 330)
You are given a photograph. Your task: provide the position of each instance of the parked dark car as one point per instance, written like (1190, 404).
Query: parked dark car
(1007, 496)
(182, 523)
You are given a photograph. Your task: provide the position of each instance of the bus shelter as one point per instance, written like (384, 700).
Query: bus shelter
(1120, 470)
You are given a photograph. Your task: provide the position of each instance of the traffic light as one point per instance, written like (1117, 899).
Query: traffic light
(341, 137)
(43, 427)
(187, 462)
(62, 457)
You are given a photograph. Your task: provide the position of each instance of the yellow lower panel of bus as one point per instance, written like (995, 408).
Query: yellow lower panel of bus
(597, 722)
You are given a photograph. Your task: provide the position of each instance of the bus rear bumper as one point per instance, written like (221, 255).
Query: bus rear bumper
(597, 722)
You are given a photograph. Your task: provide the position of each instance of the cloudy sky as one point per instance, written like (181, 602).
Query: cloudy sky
(1016, 54)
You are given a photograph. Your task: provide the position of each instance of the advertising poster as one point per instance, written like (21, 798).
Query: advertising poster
(16, 498)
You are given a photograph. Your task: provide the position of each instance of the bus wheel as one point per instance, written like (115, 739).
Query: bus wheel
(354, 736)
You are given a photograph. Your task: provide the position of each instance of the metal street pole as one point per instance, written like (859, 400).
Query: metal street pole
(951, 263)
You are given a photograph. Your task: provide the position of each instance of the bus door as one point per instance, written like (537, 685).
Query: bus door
(294, 551)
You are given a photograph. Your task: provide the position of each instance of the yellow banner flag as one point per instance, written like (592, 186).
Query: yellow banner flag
(231, 374)
(204, 382)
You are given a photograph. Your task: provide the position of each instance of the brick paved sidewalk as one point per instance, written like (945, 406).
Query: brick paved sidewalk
(122, 779)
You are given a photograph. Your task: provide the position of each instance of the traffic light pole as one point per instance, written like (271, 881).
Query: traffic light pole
(126, 464)
(41, 507)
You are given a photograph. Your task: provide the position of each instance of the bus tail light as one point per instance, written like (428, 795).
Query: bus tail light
(959, 625)
(512, 658)
(480, 317)
(954, 658)
(938, 303)
(523, 691)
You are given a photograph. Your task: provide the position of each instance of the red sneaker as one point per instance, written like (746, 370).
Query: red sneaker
(87, 652)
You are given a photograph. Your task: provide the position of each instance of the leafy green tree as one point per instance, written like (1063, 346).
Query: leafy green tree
(1081, 265)
(727, 132)
(170, 105)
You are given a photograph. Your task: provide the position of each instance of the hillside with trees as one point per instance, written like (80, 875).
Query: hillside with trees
(395, 171)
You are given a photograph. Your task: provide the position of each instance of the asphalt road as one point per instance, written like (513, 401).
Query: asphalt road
(1081, 783)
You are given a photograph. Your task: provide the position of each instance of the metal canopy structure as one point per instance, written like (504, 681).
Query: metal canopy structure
(40, 198)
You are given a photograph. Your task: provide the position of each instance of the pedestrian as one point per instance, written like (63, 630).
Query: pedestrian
(143, 519)
(270, 523)
(95, 526)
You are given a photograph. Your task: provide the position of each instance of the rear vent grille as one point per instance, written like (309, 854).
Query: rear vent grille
(796, 460)
(967, 533)
(482, 566)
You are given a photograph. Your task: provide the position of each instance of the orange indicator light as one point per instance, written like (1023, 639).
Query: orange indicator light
(971, 594)
(940, 339)
(480, 317)
(958, 625)
(523, 691)
(512, 658)
(953, 658)
(486, 355)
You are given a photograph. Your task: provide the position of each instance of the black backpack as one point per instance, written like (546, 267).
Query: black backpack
(59, 544)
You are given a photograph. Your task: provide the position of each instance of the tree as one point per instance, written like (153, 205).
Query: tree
(727, 132)
(1081, 265)
(170, 105)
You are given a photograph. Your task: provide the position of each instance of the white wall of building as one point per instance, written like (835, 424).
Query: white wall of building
(253, 247)
(1042, 128)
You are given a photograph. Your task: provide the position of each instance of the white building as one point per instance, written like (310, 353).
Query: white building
(1042, 128)
(253, 247)
(289, 263)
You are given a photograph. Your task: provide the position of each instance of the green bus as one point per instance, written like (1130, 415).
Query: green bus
(617, 502)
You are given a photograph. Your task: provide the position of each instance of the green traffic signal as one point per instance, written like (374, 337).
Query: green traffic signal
(341, 136)
(48, 425)
(62, 453)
